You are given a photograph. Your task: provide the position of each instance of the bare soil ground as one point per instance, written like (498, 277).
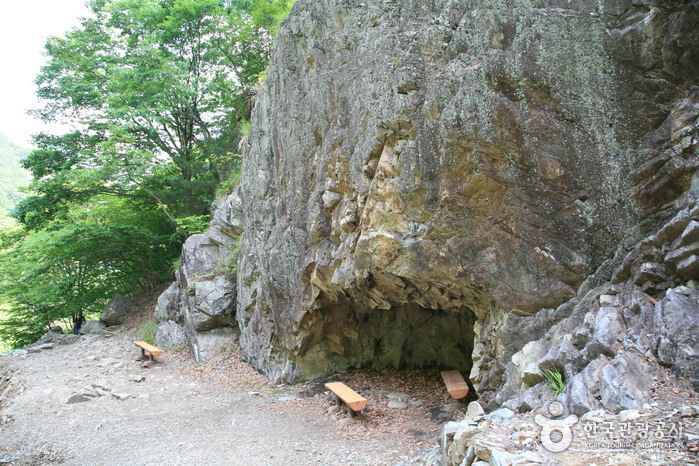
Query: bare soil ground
(220, 412)
(224, 412)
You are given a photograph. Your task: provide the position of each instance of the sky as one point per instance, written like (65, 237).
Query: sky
(24, 28)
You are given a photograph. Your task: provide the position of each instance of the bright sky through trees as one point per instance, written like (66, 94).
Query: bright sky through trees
(24, 27)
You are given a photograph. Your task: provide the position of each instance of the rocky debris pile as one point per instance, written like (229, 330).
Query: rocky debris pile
(609, 344)
(629, 437)
(94, 391)
(48, 341)
(92, 330)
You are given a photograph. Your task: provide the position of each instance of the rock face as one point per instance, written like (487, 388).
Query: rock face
(470, 185)
(427, 182)
(199, 309)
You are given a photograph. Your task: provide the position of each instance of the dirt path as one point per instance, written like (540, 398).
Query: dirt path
(221, 412)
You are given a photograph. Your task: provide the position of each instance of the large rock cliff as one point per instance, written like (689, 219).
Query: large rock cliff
(477, 185)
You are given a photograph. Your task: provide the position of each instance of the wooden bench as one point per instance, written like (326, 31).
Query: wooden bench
(153, 352)
(456, 385)
(352, 399)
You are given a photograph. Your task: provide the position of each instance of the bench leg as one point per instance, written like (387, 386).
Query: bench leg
(149, 362)
(143, 356)
(350, 412)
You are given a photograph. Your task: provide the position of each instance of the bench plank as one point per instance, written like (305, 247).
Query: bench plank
(354, 400)
(456, 385)
(153, 350)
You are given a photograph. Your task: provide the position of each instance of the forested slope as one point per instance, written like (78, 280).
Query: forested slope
(12, 176)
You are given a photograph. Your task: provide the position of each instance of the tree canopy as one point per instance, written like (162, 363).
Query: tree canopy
(154, 93)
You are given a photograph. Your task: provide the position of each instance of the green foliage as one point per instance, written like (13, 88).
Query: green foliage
(193, 224)
(76, 265)
(269, 13)
(12, 176)
(555, 380)
(153, 90)
(229, 184)
(147, 332)
(156, 88)
(231, 265)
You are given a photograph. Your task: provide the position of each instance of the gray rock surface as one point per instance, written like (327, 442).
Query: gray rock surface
(92, 326)
(199, 308)
(169, 304)
(116, 311)
(169, 333)
(475, 411)
(583, 390)
(623, 383)
(676, 324)
(501, 189)
(405, 169)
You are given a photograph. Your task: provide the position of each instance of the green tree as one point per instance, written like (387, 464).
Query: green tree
(154, 91)
(155, 88)
(74, 266)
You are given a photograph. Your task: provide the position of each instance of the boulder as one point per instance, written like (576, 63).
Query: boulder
(92, 326)
(608, 330)
(583, 390)
(116, 311)
(211, 303)
(473, 177)
(460, 183)
(624, 382)
(527, 362)
(206, 344)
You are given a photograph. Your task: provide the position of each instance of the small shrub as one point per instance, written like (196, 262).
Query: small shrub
(244, 130)
(147, 332)
(230, 183)
(175, 266)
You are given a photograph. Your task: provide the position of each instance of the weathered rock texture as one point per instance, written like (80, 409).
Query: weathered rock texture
(199, 309)
(497, 187)
(116, 311)
(423, 172)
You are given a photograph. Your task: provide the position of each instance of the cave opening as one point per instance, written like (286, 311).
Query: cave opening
(349, 336)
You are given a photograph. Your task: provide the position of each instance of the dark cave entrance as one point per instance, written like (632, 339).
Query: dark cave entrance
(348, 336)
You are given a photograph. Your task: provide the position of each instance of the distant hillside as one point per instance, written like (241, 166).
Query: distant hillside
(12, 176)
